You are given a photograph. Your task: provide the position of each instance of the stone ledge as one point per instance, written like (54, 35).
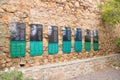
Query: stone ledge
(67, 63)
(71, 69)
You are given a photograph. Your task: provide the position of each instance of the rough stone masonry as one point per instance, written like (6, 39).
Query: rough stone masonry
(84, 14)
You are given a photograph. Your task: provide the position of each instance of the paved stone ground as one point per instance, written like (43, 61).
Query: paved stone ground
(106, 74)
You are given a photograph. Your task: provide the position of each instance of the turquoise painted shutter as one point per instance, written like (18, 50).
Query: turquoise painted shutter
(95, 40)
(36, 37)
(78, 40)
(66, 45)
(53, 39)
(87, 40)
(18, 39)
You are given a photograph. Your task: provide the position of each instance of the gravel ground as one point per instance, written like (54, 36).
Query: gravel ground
(106, 74)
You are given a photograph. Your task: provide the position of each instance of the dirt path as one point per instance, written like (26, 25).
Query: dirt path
(106, 74)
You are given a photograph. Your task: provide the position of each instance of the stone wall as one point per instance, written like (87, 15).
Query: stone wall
(84, 14)
(69, 70)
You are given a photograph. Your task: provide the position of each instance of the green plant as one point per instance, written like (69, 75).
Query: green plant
(12, 75)
(111, 12)
(117, 40)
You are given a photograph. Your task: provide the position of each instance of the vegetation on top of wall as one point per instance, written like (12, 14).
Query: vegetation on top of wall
(12, 75)
(111, 12)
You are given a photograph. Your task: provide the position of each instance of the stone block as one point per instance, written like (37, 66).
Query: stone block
(9, 64)
(77, 4)
(10, 8)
